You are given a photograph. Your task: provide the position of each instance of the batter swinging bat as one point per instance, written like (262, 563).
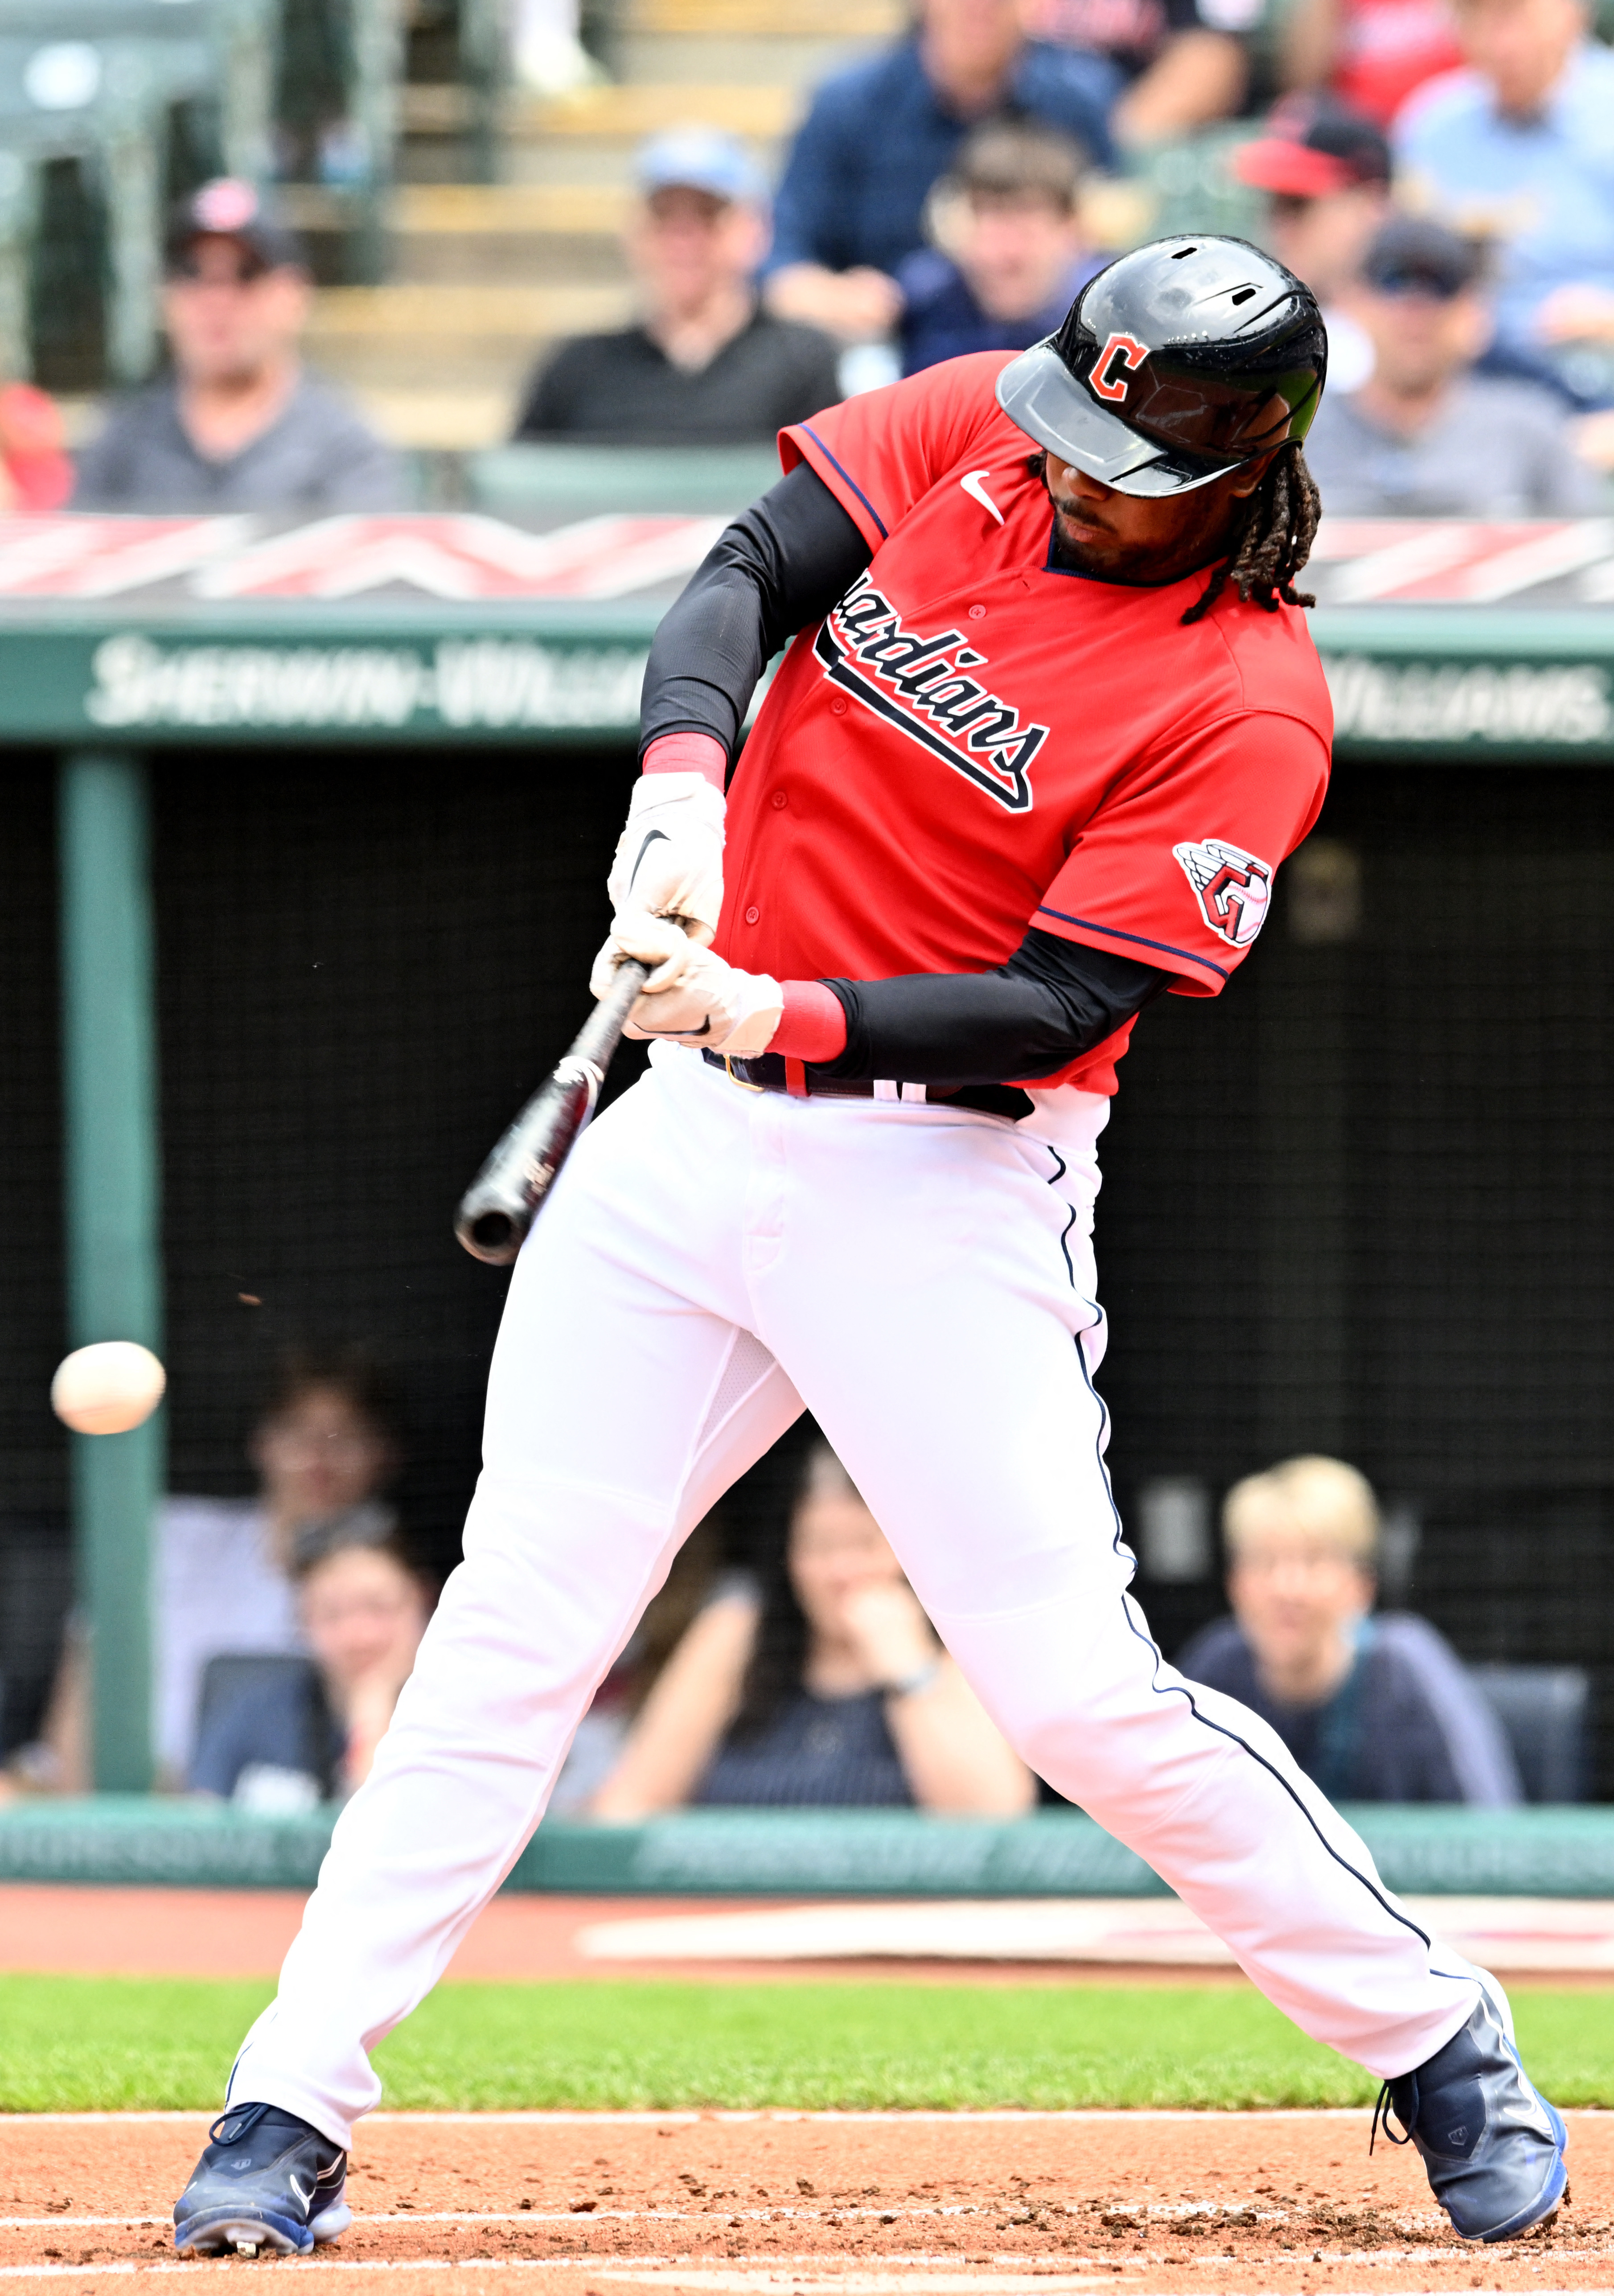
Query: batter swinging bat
(502, 1202)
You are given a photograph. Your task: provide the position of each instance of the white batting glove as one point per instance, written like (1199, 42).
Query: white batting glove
(670, 857)
(656, 941)
(715, 1005)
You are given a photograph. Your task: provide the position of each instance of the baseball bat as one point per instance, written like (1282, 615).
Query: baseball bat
(502, 1202)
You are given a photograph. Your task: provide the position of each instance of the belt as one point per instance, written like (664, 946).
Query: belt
(772, 1072)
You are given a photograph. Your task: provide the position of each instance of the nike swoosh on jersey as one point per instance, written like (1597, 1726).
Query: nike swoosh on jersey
(971, 484)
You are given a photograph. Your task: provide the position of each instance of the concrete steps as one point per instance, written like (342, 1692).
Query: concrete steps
(485, 276)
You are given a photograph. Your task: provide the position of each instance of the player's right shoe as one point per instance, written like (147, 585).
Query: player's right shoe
(267, 2181)
(1492, 2145)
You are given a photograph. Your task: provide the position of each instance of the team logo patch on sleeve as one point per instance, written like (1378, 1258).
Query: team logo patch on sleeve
(1232, 886)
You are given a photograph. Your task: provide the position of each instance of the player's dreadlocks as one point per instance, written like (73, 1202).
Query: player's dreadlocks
(1272, 539)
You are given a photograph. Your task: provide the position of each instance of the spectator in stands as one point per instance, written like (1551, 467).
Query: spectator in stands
(324, 1446)
(877, 137)
(1374, 1708)
(706, 364)
(1326, 172)
(1009, 257)
(237, 424)
(1516, 148)
(309, 1733)
(1424, 436)
(821, 1686)
(1184, 61)
(1369, 55)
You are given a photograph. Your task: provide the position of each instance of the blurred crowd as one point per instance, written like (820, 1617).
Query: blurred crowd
(1439, 171)
(785, 1663)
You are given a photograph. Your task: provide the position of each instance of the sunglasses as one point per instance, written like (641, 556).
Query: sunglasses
(1432, 287)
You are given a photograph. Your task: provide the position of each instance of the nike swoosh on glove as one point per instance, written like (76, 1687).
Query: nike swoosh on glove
(691, 997)
(670, 857)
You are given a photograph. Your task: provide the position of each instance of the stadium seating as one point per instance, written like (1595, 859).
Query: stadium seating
(99, 84)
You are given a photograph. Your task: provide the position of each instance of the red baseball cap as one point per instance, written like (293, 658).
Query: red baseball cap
(1313, 147)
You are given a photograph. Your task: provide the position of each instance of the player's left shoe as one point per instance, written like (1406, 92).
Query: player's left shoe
(1492, 2145)
(267, 2182)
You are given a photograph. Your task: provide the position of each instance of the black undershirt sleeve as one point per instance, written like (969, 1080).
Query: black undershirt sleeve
(1054, 1000)
(780, 566)
(776, 570)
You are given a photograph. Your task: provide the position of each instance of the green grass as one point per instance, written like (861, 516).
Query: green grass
(82, 2043)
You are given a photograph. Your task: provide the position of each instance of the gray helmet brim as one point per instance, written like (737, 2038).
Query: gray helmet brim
(1038, 393)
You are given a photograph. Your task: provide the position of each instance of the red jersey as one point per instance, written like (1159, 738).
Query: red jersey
(978, 740)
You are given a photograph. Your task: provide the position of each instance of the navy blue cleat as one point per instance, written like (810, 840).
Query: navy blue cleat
(266, 2184)
(1492, 2146)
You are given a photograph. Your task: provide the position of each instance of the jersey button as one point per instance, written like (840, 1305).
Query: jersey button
(978, 613)
(752, 913)
(780, 799)
(839, 705)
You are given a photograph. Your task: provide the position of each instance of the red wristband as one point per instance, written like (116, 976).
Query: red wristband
(813, 1026)
(688, 753)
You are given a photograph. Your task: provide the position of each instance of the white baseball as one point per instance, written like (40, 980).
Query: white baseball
(108, 1388)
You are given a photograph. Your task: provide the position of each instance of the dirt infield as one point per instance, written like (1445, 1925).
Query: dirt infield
(778, 2204)
(90, 1930)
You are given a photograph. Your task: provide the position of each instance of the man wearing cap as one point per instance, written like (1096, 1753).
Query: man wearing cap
(1424, 436)
(1049, 720)
(236, 424)
(1325, 171)
(706, 364)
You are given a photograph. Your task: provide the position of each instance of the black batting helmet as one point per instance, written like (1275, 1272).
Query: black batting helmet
(1177, 364)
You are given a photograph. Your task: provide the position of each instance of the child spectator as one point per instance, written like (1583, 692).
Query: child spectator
(1009, 258)
(1325, 171)
(324, 1448)
(310, 1734)
(706, 363)
(823, 1686)
(237, 425)
(1424, 435)
(851, 206)
(1516, 148)
(1372, 1709)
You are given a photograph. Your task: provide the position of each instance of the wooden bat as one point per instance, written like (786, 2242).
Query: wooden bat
(502, 1202)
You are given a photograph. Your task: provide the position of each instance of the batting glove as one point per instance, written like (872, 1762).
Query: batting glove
(670, 857)
(692, 997)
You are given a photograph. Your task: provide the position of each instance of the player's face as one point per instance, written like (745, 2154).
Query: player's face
(319, 1457)
(1140, 537)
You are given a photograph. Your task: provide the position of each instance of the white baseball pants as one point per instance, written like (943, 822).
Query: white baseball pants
(922, 1278)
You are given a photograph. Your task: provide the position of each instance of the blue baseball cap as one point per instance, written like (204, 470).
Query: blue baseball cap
(699, 159)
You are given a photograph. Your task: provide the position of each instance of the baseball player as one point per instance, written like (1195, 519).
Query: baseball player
(1049, 720)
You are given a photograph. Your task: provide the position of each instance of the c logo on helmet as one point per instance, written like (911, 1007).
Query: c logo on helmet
(1116, 365)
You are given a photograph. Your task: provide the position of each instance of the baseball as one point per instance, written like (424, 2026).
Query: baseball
(109, 1388)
